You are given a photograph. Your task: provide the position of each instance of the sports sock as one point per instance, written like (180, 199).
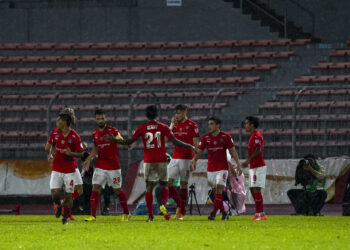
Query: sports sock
(259, 205)
(66, 211)
(218, 203)
(164, 194)
(94, 202)
(123, 202)
(149, 203)
(174, 195)
(184, 199)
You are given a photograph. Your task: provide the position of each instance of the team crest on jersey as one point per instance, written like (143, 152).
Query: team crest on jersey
(180, 129)
(101, 138)
(215, 143)
(69, 140)
(63, 142)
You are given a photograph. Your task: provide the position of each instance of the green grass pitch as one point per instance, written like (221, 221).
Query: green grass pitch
(195, 232)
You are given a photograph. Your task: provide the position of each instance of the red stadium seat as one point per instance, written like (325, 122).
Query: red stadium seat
(226, 43)
(283, 54)
(322, 65)
(64, 46)
(51, 59)
(102, 82)
(138, 82)
(213, 56)
(280, 42)
(139, 58)
(250, 79)
(133, 70)
(229, 56)
(135, 45)
(28, 83)
(41, 71)
(192, 81)
(262, 43)
(266, 67)
(172, 69)
(32, 59)
(61, 70)
(231, 80)
(244, 43)
(87, 58)
(265, 55)
(175, 58)
(117, 70)
(27, 46)
(23, 71)
(211, 80)
(119, 45)
(81, 70)
(66, 83)
(173, 45)
(175, 81)
(190, 68)
(9, 46)
(246, 67)
(83, 83)
(155, 45)
(6, 71)
(45, 46)
(208, 68)
(9, 83)
(100, 70)
(68, 59)
(300, 42)
(190, 44)
(193, 57)
(101, 45)
(227, 68)
(13, 59)
(83, 46)
(157, 81)
(208, 44)
(157, 58)
(152, 70)
(120, 82)
(46, 83)
(247, 55)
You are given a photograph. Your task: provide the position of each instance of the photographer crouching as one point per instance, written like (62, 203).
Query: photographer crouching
(311, 198)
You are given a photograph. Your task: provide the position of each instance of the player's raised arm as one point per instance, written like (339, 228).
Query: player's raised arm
(126, 141)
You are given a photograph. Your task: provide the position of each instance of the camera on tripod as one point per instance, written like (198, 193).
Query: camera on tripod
(192, 187)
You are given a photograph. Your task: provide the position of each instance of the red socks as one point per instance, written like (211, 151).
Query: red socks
(218, 203)
(149, 203)
(123, 202)
(184, 199)
(66, 211)
(259, 205)
(164, 193)
(94, 202)
(173, 194)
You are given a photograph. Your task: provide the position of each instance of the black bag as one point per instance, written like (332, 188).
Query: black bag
(346, 199)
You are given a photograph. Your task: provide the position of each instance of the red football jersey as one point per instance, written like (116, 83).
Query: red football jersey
(107, 155)
(62, 162)
(153, 136)
(185, 131)
(256, 140)
(216, 146)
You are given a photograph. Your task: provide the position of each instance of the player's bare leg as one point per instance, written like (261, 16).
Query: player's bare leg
(94, 199)
(218, 203)
(259, 205)
(175, 196)
(164, 193)
(67, 205)
(123, 202)
(55, 193)
(149, 200)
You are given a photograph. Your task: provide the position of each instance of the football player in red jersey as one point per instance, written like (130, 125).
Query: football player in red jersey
(217, 142)
(154, 134)
(107, 165)
(187, 131)
(67, 145)
(257, 169)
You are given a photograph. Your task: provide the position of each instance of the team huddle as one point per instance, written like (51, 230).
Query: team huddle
(64, 145)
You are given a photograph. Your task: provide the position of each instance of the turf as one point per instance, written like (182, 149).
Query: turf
(195, 232)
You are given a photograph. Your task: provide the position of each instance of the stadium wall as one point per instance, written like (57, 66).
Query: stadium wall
(149, 20)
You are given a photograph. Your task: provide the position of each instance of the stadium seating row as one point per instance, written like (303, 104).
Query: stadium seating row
(152, 45)
(145, 58)
(123, 82)
(131, 70)
(322, 79)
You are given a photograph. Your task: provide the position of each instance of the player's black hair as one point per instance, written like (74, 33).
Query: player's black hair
(181, 107)
(70, 112)
(216, 120)
(253, 120)
(67, 118)
(151, 112)
(99, 112)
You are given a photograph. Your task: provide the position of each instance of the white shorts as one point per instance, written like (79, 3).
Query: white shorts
(58, 180)
(156, 171)
(257, 177)
(217, 178)
(111, 177)
(179, 168)
(77, 179)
